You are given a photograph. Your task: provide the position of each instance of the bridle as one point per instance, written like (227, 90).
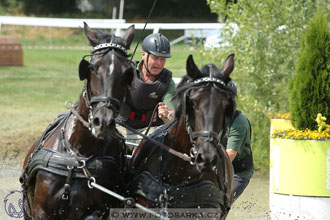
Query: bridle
(209, 136)
(107, 101)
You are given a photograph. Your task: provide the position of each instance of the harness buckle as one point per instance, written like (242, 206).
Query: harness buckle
(163, 198)
(68, 104)
(129, 202)
(65, 197)
(67, 188)
(90, 181)
(83, 164)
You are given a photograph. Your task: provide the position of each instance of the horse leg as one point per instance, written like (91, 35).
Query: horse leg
(38, 209)
(44, 204)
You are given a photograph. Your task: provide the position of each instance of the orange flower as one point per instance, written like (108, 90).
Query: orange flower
(278, 115)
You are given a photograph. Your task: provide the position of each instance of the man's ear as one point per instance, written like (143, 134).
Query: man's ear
(83, 69)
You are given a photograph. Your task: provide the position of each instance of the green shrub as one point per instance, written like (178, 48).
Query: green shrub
(310, 87)
(265, 45)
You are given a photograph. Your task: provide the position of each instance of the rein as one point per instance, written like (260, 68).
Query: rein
(152, 118)
(145, 25)
(182, 156)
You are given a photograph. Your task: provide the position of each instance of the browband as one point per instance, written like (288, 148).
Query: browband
(109, 45)
(210, 79)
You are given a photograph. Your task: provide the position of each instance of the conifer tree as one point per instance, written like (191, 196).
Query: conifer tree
(310, 87)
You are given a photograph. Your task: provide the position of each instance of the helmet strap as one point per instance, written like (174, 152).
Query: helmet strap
(146, 66)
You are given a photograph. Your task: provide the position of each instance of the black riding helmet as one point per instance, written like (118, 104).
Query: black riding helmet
(157, 44)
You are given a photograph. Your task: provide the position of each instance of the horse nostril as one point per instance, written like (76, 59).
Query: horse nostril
(96, 122)
(199, 158)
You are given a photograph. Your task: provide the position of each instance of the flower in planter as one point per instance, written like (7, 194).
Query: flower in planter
(303, 134)
(278, 115)
(323, 133)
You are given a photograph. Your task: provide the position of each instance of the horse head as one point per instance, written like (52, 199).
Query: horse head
(108, 74)
(206, 100)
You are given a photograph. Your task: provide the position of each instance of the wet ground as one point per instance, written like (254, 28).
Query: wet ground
(10, 195)
(253, 204)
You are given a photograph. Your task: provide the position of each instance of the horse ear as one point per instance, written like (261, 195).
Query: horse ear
(228, 65)
(91, 35)
(83, 69)
(191, 68)
(129, 36)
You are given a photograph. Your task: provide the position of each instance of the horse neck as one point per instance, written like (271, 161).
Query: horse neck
(182, 140)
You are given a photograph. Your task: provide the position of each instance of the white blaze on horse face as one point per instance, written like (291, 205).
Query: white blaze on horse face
(112, 64)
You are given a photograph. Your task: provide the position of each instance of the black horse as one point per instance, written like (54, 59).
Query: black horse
(165, 177)
(83, 146)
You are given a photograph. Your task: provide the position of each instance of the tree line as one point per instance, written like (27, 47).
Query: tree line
(169, 9)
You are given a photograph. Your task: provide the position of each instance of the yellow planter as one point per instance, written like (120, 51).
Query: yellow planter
(300, 167)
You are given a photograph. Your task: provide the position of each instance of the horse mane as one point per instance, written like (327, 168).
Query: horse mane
(209, 70)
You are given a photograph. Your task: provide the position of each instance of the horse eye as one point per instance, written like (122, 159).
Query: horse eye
(92, 67)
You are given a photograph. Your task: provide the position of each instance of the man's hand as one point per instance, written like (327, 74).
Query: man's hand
(164, 113)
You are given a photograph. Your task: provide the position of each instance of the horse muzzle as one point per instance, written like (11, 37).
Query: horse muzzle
(103, 123)
(101, 117)
(206, 158)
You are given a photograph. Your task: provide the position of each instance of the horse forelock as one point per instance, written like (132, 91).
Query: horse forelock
(104, 37)
(211, 70)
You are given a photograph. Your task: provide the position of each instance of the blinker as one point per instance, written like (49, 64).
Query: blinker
(83, 69)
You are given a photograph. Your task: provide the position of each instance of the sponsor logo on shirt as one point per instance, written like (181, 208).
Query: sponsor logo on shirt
(153, 95)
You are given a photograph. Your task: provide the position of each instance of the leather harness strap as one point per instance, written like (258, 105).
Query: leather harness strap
(199, 193)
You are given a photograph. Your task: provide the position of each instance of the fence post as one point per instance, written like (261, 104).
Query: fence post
(156, 29)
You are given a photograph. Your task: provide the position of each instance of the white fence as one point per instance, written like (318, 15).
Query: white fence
(56, 22)
(106, 24)
(102, 23)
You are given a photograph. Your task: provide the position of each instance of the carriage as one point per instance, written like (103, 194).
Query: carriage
(78, 169)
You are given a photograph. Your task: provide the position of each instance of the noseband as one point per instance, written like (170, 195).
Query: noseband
(209, 136)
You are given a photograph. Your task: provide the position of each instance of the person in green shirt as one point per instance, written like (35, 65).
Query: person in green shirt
(237, 141)
(152, 89)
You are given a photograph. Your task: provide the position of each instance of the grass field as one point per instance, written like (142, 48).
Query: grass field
(33, 95)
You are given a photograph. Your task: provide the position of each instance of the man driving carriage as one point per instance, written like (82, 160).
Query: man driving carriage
(152, 87)
(237, 140)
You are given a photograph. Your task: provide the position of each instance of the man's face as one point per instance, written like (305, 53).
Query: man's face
(155, 64)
